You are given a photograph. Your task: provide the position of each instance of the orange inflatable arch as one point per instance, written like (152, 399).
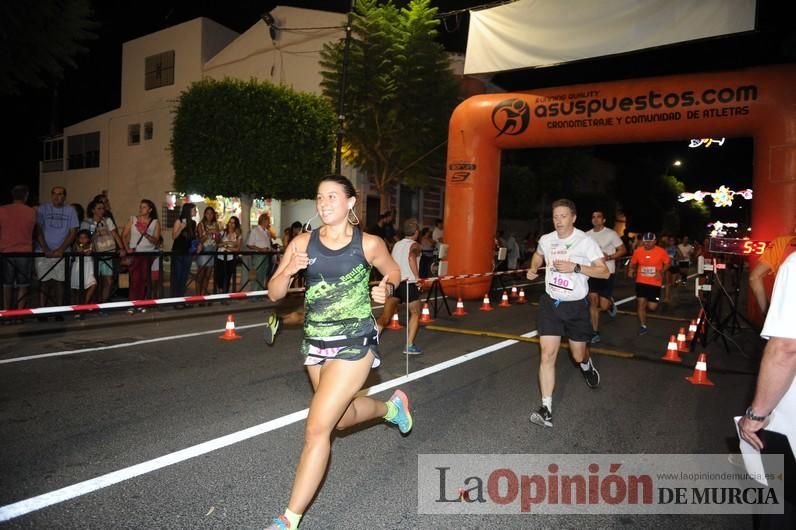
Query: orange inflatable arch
(759, 103)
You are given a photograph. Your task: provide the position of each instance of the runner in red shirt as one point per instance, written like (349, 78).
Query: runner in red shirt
(647, 266)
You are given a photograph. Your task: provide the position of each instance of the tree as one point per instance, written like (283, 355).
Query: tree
(531, 179)
(40, 39)
(239, 138)
(400, 93)
(649, 200)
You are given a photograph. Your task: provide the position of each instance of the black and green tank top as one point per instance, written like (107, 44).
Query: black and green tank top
(337, 297)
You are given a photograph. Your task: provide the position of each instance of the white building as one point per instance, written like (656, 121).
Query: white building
(126, 151)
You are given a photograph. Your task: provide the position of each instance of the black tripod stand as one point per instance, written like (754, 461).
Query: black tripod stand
(720, 299)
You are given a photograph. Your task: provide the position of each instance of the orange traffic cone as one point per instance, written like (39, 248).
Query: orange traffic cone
(425, 315)
(486, 305)
(521, 299)
(681, 344)
(692, 329)
(671, 352)
(464, 495)
(504, 300)
(395, 322)
(460, 312)
(229, 331)
(514, 292)
(700, 376)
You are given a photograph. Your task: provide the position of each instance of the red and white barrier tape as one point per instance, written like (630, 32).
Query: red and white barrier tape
(19, 313)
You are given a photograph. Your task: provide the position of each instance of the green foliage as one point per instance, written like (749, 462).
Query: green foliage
(399, 93)
(518, 192)
(233, 137)
(531, 179)
(40, 39)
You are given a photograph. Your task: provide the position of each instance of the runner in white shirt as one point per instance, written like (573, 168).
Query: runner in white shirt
(774, 405)
(601, 291)
(572, 258)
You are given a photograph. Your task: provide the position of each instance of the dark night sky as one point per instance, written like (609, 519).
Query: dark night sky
(94, 87)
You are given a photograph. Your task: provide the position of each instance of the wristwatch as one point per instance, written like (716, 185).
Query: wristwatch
(390, 289)
(751, 415)
(577, 267)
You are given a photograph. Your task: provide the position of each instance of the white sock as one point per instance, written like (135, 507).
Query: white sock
(548, 402)
(585, 366)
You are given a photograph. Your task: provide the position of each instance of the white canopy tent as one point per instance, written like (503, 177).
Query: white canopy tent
(530, 33)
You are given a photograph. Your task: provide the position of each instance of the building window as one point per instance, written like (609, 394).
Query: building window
(53, 155)
(83, 150)
(159, 70)
(134, 134)
(149, 129)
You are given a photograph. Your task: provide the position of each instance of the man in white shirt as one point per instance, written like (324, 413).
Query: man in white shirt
(572, 258)
(406, 254)
(437, 233)
(601, 291)
(774, 405)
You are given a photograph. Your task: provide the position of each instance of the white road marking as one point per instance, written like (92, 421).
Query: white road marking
(23, 507)
(39, 502)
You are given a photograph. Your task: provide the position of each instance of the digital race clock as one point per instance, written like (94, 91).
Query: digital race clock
(742, 247)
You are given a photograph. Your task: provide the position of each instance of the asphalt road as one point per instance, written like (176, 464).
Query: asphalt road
(118, 399)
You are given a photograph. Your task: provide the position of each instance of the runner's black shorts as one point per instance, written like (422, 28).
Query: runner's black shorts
(564, 319)
(603, 287)
(401, 292)
(651, 292)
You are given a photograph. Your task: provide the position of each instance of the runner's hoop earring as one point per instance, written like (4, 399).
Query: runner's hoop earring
(351, 213)
(307, 224)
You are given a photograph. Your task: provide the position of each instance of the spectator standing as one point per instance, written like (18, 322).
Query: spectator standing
(17, 225)
(142, 234)
(82, 278)
(260, 241)
(184, 247)
(438, 234)
(58, 226)
(686, 252)
(427, 247)
(105, 238)
(209, 234)
(512, 252)
(226, 259)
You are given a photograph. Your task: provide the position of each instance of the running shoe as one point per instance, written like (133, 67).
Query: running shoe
(542, 417)
(412, 350)
(404, 417)
(271, 328)
(595, 338)
(642, 330)
(591, 375)
(280, 523)
(612, 309)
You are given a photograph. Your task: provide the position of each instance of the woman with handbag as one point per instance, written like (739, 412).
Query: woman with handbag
(182, 250)
(209, 234)
(105, 241)
(142, 234)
